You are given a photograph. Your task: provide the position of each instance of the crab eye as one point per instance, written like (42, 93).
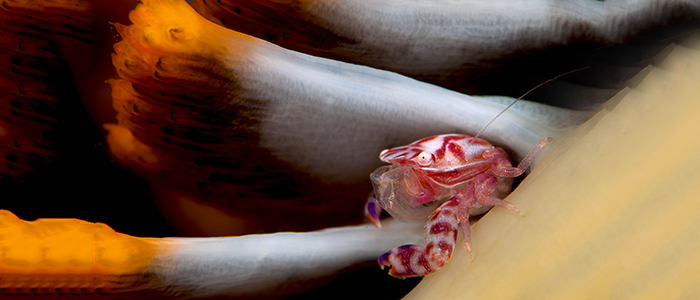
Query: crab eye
(424, 159)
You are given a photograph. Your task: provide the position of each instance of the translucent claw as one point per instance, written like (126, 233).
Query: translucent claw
(373, 210)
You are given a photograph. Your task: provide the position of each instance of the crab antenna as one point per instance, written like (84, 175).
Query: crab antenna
(516, 100)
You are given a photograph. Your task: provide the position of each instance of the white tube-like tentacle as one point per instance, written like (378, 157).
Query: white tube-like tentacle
(263, 264)
(238, 121)
(59, 257)
(449, 43)
(344, 114)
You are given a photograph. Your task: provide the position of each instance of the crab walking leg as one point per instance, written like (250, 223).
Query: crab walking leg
(441, 237)
(502, 166)
(483, 186)
(486, 183)
(478, 191)
(527, 160)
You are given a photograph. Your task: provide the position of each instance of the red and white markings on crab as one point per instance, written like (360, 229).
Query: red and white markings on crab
(467, 171)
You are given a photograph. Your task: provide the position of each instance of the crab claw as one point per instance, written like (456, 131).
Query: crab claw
(384, 260)
(410, 261)
(373, 210)
(397, 269)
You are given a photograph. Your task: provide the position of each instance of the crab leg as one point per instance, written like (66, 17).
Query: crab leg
(478, 192)
(441, 237)
(502, 166)
(483, 186)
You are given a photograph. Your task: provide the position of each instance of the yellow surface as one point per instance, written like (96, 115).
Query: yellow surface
(612, 210)
(68, 247)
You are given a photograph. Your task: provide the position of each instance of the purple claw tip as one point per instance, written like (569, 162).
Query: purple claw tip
(372, 212)
(384, 260)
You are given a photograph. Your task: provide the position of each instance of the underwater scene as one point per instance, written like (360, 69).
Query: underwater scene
(333, 149)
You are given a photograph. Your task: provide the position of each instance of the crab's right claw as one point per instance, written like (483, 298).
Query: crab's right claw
(373, 210)
(401, 263)
(384, 260)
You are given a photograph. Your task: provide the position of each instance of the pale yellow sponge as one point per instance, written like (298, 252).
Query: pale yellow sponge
(612, 210)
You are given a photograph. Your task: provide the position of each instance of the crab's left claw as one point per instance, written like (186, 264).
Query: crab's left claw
(373, 210)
